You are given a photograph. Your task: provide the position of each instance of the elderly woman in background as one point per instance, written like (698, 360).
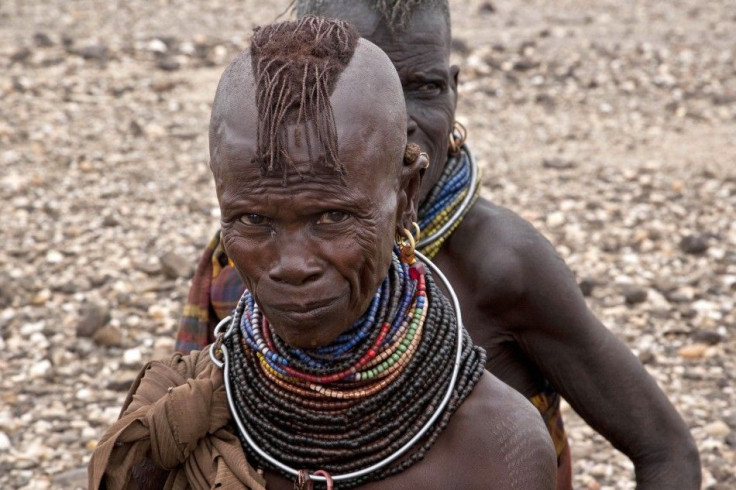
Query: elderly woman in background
(343, 364)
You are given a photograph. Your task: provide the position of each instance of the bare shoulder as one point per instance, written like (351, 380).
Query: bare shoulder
(496, 439)
(494, 250)
(499, 253)
(504, 438)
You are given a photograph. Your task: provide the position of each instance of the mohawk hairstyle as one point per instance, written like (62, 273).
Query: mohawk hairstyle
(296, 65)
(396, 13)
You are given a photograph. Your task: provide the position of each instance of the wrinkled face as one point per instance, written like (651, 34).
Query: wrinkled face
(314, 246)
(420, 53)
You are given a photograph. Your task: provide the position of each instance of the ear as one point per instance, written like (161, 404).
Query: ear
(411, 179)
(454, 73)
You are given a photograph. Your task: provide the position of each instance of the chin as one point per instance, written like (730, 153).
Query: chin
(309, 330)
(304, 337)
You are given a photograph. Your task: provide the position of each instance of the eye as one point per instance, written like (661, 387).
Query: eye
(253, 219)
(428, 87)
(332, 217)
(425, 88)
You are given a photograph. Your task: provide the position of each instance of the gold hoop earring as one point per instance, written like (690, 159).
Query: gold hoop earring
(458, 134)
(418, 234)
(407, 246)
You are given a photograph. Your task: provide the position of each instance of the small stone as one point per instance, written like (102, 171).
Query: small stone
(647, 357)
(707, 337)
(92, 317)
(132, 357)
(21, 55)
(694, 244)
(460, 46)
(681, 295)
(84, 394)
(175, 266)
(91, 445)
(40, 369)
(135, 128)
(558, 163)
(717, 429)
(148, 267)
(41, 297)
(692, 351)
(168, 64)
(123, 379)
(6, 295)
(74, 478)
(108, 336)
(110, 221)
(163, 348)
(487, 8)
(94, 52)
(157, 46)
(5, 443)
(555, 219)
(587, 285)
(54, 257)
(634, 295)
(163, 85)
(42, 40)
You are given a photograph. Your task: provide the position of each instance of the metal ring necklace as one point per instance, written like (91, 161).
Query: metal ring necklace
(225, 366)
(463, 205)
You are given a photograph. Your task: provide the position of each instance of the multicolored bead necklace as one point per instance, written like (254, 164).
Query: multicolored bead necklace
(448, 201)
(355, 406)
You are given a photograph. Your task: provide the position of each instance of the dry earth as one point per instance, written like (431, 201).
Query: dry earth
(609, 125)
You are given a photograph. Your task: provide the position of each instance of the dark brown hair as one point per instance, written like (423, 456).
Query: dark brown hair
(296, 65)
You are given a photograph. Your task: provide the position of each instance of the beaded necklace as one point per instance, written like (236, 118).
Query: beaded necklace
(448, 201)
(353, 408)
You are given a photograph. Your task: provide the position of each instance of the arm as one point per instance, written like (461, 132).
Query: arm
(596, 373)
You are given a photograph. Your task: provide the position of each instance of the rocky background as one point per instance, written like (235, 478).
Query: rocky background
(610, 125)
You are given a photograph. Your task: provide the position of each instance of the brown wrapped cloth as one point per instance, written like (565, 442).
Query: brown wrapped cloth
(176, 416)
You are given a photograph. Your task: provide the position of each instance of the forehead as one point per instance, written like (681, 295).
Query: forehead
(427, 27)
(360, 151)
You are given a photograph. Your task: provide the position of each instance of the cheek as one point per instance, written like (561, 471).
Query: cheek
(249, 260)
(371, 255)
(434, 123)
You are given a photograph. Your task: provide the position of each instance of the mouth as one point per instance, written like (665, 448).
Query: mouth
(308, 307)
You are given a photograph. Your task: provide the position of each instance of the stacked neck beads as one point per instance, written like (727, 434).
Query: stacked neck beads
(445, 199)
(348, 405)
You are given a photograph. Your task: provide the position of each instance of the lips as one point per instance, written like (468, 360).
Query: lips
(310, 306)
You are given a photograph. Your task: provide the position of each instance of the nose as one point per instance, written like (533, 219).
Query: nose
(295, 264)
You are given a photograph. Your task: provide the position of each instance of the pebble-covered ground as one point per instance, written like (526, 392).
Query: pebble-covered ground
(609, 125)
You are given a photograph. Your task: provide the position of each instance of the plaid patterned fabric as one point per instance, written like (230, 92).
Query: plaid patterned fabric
(548, 404)
(214, 293)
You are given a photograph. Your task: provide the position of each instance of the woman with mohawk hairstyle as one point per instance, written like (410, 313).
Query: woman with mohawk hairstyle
(521, 302)
(343, 365)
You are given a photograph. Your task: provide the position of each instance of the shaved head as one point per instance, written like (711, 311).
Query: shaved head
(361, 92)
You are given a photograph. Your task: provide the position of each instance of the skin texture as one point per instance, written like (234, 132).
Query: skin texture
(518, 298)
(313, 248)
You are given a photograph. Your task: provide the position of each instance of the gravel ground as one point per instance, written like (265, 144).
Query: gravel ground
(611, 128)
